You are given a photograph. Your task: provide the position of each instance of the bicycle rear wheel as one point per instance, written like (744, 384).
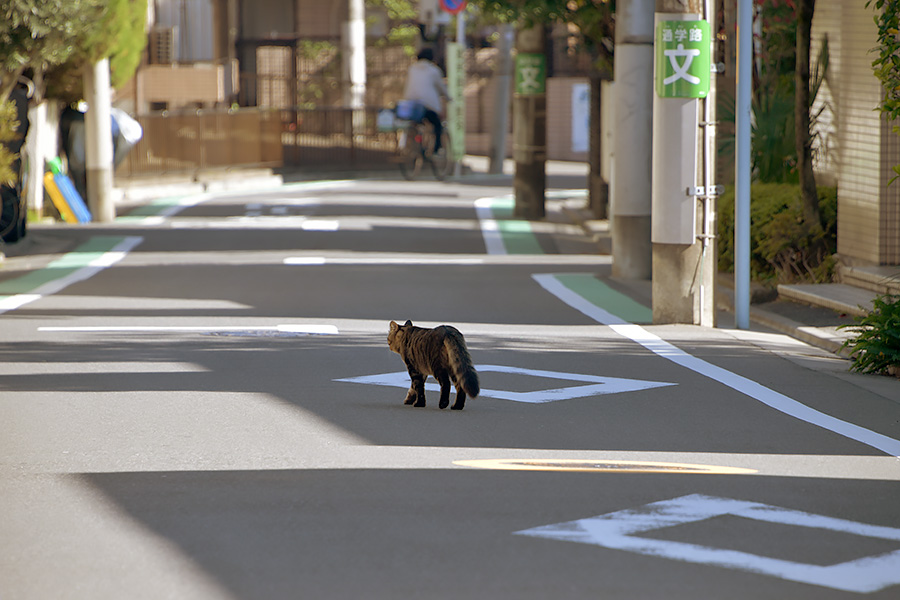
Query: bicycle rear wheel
(442, 162)
(411, 156)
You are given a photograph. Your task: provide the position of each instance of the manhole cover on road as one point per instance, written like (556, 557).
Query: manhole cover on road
(602, 466)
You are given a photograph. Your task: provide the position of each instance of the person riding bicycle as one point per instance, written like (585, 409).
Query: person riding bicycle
(425, 85)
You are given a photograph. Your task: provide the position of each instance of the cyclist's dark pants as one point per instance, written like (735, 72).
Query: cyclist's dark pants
(433, 118)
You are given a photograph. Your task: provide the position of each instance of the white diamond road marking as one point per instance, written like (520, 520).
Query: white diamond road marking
(598, 385)
(619, 530)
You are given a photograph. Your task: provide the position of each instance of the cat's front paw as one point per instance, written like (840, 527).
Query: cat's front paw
(419, 404)
(444, 404)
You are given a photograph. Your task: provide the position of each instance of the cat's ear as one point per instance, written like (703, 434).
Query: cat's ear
(394, 326)
(408, 323)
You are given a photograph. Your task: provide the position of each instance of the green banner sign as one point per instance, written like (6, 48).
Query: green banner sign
(682, 59)
(531, 74)
(456, 82)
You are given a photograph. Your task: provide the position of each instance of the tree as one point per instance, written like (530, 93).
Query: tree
(51, 41)
(38, 34)
(887, 63)
(118, 34)
(35, 35)
(595, 19)
(802, 104)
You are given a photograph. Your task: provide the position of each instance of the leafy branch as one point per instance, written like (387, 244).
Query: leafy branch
(887, 62)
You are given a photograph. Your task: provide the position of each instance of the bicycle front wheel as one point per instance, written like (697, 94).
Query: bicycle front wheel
(411, 155)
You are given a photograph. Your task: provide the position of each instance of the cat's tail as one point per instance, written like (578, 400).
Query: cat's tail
(464, 372)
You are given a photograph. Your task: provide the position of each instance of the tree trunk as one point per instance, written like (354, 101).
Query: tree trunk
(809, 195)
(598, 188)
(530, 124)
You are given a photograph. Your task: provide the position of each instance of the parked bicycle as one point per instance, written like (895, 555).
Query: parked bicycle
(415, 145)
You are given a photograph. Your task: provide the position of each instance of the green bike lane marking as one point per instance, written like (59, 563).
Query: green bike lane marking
(155, 208)
(100, 252)
(599, 293)
(88, 259)
(504, 234)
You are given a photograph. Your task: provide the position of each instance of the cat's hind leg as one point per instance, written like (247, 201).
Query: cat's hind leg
(444, 380)
(460, 400)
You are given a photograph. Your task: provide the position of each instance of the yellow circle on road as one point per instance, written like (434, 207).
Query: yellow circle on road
(602, 466)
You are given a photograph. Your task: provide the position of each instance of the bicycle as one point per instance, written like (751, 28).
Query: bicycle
(415, 147)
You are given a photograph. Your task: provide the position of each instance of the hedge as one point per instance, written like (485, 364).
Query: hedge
(782, 247)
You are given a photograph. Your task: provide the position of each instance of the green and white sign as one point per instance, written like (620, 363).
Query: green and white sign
(682, 59)
(531, 74)
(456, 82)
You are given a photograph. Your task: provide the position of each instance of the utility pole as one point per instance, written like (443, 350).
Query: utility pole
(38, 146)
(530, 123)
(742, 165)
(630, 212)
(684, 250)
(502, 75)
(598, 189)
(355, 60)
(98, 141)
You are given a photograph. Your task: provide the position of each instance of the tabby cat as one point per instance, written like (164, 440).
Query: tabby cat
(440, 352)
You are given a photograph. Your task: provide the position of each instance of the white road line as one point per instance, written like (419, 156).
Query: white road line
(288, 328)
(107, 259)
(370, 258)
(598, 385)
(658, 346)
(757, 391)
(257, 221)
(493, 242)
(411, 260)
(630, 530)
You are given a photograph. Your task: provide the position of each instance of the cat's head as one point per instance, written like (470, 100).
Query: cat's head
(395, 335)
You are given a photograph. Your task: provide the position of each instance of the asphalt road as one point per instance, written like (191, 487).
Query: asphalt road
(198, 401)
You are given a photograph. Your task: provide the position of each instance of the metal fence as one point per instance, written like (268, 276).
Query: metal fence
(336, 138)
(319, 138)
(300, 123)
(186, 142)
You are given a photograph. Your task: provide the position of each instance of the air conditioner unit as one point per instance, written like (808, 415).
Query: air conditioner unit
(163, 46)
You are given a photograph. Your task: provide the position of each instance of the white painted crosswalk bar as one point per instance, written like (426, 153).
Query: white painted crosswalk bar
(314, 329)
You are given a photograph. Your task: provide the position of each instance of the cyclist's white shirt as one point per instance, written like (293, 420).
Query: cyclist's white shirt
(425, 83)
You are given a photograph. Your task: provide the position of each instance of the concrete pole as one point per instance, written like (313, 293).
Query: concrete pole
(630, 222)
(742, 165)
(502, 83)
(459, 139)
(530, 129)
(37, 154)
(709, 266)
(98, 142)
(598, 188)
(683, 265)
(355, 60)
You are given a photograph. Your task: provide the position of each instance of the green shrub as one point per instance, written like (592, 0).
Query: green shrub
(876, 347)
(782, 247)
(8, 125)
